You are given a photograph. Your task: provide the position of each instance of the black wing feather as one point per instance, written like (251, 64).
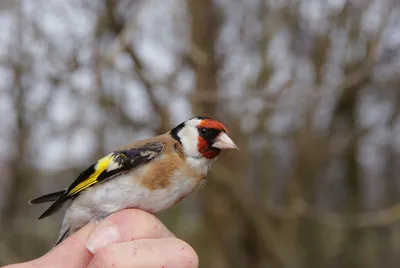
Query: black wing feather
(127, 159)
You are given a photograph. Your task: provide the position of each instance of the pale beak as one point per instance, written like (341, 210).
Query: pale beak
(224, 142)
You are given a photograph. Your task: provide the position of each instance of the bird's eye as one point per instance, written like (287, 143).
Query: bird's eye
(203, 131)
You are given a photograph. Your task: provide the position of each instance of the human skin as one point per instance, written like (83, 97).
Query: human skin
(129, 238)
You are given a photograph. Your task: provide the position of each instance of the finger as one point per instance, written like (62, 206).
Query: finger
(126, 225)
(164, 252)
(70, 253)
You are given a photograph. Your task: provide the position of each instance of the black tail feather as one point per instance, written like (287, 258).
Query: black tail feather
(47, 198)
(62, 237)
(56, 206)
(57, 197)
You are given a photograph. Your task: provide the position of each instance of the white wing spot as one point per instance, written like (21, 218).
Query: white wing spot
(112, 165)
(148, 153)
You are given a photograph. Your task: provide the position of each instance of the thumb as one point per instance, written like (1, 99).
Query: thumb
(70, 253)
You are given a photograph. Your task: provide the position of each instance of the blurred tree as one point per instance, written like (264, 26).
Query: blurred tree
(308, 89)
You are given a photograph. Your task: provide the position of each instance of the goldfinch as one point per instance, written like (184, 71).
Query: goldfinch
(151, 175)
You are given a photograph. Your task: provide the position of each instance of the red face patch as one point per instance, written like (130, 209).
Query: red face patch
(209, 123)
(204, 142)
(205, 150)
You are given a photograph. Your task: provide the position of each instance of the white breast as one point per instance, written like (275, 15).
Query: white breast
(124, 192)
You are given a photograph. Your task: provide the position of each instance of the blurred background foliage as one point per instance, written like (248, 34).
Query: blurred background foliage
(309, 90)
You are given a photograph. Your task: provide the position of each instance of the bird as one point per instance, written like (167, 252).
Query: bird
(152, 174)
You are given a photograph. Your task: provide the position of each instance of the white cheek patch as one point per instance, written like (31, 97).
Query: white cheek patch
(189, 138)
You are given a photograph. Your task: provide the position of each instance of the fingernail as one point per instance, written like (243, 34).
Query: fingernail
(102, 237)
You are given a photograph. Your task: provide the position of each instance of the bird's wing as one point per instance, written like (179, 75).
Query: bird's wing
(108, 167)
(114, 164)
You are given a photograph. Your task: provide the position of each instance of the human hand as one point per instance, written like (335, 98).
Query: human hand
(129, 238)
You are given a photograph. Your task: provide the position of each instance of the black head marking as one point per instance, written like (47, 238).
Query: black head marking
(201, 117)
(209, 134)
(174, 132)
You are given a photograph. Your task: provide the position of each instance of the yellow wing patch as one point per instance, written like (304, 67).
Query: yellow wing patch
(101, 165)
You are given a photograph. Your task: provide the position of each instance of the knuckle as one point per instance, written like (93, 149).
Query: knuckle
(149, 225)
(146, 225)
(133, 215)
(124, 215)
(154, 227)
(104, 258)
(188, 255)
